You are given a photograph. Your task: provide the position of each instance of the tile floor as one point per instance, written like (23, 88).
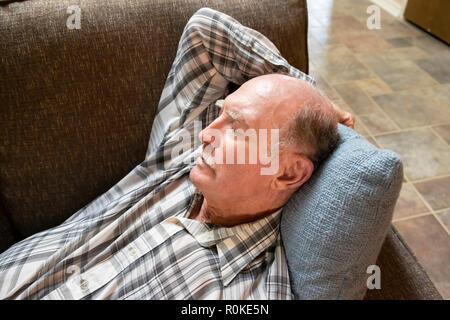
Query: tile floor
(396, 81)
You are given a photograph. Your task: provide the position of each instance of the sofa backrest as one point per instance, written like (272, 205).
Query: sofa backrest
(77, 105)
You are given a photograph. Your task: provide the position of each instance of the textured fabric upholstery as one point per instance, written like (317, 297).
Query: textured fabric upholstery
(335, 224)
(7, 234)
(78, 105)
(402, 277)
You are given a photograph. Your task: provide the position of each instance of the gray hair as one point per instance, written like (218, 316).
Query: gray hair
(313, 128)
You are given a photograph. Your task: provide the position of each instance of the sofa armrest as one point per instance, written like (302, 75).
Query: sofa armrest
(402, 276)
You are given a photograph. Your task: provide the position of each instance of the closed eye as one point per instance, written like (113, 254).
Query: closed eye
(236, 117)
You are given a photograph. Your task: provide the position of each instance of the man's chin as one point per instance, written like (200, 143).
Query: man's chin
(199, 178)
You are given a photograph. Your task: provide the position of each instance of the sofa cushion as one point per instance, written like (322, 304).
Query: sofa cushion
(334, 225)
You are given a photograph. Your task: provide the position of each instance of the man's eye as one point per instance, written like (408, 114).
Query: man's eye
(235, 127)
(231, 127)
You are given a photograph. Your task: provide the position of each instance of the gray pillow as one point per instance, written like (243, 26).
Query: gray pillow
(334, 225)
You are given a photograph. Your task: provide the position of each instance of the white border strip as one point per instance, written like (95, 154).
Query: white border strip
(390, 6)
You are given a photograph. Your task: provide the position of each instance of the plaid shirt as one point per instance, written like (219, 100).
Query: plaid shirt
(135, 241)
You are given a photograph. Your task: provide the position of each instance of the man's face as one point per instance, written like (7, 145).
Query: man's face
(255, 107)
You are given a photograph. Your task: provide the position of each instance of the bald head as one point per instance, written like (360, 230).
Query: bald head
(306, 118)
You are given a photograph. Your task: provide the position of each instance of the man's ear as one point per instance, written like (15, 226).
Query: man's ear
(294, 172)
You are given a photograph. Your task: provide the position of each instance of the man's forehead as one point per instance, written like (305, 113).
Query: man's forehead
(233, 110)
(245, 100)
(242, 105)
(269, 90)
(270, 99)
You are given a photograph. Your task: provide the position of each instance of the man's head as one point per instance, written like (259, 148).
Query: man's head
(307, 126)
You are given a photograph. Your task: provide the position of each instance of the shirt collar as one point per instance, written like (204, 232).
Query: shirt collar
(237, 246)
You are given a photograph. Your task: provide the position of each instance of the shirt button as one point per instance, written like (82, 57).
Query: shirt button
(132, 251)
(84, 284)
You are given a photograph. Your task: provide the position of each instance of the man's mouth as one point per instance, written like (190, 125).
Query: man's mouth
(208, 160)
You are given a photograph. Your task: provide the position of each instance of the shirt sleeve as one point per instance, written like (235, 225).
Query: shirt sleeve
(237, 52)
(214, 50)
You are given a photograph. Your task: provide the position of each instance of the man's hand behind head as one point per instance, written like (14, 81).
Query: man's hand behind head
(344, 117)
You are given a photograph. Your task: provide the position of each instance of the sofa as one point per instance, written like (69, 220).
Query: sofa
(77, 106)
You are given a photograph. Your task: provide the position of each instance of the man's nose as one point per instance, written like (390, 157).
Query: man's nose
(211, 134)
(205, 136)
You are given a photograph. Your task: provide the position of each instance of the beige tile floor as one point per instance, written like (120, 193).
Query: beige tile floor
(396, 81)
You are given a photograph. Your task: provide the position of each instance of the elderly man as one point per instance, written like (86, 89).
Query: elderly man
(176, 229)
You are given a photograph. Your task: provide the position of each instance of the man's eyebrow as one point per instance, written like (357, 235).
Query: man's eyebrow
(234, 115)
(237, 116)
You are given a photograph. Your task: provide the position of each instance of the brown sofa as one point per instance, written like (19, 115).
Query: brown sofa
(77, 106)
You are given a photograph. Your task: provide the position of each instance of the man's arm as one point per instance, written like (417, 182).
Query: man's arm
(214, 49)
(237, 52)
(254, 54)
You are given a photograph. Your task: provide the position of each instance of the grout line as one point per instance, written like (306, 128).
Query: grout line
(413, 129)
(412, 217)
(370, 97)
(331, 87)
(431, 209)
(382, 110)
(441, 223)
(361, 123)
(442, 210)
(376, 104)
(378, 107)
(406, 177)
(440, 138)
(431, 178)
(422, 198)
(357, 117)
